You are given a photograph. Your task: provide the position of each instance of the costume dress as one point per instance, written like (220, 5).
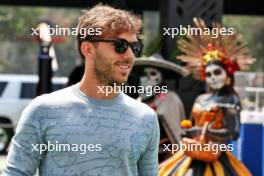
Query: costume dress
(215, 115)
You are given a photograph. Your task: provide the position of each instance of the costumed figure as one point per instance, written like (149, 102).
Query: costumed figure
(166, 103)
(215, 115)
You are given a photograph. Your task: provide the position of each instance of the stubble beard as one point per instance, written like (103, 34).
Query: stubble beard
(104, 72)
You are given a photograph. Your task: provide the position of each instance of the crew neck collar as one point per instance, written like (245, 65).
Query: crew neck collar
(82, 95)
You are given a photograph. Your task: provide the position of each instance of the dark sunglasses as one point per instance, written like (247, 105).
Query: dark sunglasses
(121, 45)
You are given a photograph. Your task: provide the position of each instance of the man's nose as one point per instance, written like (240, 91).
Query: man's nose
(129, 53)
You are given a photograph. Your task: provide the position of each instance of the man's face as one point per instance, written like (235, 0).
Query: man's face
(112, 67)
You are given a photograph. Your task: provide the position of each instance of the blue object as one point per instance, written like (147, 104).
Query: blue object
(251, 142)
(235, 150)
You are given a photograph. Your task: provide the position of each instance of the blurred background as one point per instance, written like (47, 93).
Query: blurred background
(18, 50)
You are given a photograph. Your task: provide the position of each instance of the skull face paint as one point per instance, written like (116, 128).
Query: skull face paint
(215, 76)
(152, 77)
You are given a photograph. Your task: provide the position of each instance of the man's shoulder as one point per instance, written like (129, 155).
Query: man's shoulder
(58, 97)
(137, 106)
(141, 112)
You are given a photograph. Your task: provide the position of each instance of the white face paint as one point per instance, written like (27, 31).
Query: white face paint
(152, 77)
(215, 76)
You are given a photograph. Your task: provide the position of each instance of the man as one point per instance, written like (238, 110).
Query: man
(81, 130)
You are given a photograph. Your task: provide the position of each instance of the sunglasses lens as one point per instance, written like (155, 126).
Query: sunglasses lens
(137, 48)
(121, 46)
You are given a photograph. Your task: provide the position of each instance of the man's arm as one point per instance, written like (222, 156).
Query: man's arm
(148, 164)
(23, 159)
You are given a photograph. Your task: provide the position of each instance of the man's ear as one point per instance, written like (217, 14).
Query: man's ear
(87, 49)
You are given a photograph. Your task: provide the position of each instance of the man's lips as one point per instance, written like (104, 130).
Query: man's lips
(124, 66)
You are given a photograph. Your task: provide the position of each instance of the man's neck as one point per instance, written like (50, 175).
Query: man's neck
(91, 87)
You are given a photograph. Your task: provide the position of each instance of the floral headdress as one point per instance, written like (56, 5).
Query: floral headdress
(199, 50)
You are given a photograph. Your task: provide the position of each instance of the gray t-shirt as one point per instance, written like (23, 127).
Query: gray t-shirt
(85, 137)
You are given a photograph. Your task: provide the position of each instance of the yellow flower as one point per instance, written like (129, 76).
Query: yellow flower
(212, 55)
